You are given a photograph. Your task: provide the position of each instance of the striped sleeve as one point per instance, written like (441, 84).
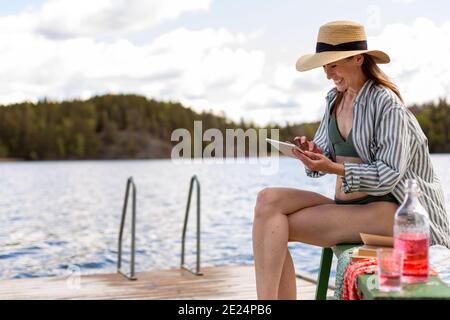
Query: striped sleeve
(391, 157)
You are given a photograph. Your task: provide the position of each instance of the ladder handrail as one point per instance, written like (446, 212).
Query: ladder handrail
(197, 272)
(133, 231)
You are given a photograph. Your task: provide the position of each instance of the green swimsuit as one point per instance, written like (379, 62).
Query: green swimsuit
(346, 148)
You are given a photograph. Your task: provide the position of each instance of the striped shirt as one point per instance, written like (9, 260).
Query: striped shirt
(393, 148)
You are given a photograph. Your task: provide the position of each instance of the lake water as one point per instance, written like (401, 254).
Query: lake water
(60, 215)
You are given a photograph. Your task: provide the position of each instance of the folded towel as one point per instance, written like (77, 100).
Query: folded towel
(364, 266)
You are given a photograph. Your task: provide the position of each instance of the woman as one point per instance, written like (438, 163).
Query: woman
(370, 141)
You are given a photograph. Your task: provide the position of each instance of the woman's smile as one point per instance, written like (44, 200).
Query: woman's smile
(340, 84)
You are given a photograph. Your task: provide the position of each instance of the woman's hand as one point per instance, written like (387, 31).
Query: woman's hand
(305, 144)
(319, 162)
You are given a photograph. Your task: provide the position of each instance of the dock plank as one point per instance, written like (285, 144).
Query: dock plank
(220, 283)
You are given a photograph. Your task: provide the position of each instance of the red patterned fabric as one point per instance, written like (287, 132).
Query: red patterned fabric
(365, 266)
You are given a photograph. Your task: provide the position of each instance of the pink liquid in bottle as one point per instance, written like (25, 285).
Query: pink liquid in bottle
(415, 256)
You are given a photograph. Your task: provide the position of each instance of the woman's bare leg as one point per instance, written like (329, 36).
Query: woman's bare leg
(271, 234)
(330, 224)
(287, 290)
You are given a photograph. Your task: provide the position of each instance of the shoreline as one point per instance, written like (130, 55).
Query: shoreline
(140, 159)
(11, 159)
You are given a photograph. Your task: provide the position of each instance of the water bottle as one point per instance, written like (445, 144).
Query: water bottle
(412, 235)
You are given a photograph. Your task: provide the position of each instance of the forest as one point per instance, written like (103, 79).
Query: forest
(134, 127)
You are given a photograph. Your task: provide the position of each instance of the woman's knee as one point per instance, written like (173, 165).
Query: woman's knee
(266, 202)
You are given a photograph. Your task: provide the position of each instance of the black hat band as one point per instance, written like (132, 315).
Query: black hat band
(346, 46)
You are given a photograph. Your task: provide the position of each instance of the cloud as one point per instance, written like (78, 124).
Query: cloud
(62, 19)
(418, 58)
(66, 19)
(183, 64)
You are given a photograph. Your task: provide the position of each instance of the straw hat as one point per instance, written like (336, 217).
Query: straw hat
(338, 40)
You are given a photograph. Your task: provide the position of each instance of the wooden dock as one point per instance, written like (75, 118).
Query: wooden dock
(220, 283)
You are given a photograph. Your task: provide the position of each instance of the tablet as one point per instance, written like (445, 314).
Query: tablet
(284, 147)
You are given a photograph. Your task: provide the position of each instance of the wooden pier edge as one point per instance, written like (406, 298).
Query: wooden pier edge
(235, 282)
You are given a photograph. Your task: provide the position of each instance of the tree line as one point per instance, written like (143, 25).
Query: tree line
(132, 126)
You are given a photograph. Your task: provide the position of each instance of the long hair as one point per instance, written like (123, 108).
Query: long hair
(373, 72)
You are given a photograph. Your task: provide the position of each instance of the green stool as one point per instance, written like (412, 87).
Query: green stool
(325, 267)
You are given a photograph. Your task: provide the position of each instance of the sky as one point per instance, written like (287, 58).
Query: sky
(235, 57)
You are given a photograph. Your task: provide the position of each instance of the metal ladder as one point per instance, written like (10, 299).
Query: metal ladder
(197, 272)
(131, 276)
